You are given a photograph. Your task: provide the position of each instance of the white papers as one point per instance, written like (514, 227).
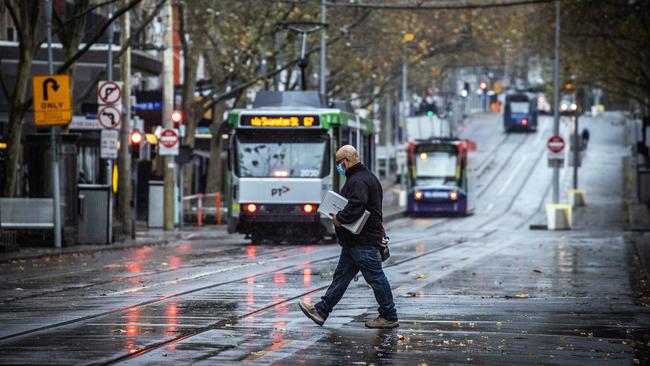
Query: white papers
(333, 203)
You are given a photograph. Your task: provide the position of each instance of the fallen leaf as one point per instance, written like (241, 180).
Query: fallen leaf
(537, 270)
(422, 276)
(415, 293)
(455, 323)
(498, 325)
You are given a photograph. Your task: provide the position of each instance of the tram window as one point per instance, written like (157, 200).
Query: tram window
(436, 167)
(282, 155)
(519, 107)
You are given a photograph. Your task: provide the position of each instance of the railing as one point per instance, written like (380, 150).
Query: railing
(198, 198)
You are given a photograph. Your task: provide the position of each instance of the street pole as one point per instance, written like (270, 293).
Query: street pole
(576, 151)
(125, 197)
(389, 133)
(403, 113)
(168, 106)
(109, 73)
(556, 100)
(323, 53)
(54, 136)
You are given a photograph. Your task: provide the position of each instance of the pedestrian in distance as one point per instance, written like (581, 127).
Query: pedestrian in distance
(360, 252)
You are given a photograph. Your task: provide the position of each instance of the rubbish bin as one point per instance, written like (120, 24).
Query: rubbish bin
(95, 212)
(155, 204)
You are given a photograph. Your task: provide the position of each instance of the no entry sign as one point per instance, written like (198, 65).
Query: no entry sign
(555, 144)
(168, 142)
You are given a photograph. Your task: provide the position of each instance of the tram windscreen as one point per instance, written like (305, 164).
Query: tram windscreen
(436, 167)
(282, 154)
(519, 107)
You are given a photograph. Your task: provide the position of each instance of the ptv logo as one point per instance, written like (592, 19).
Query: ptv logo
(279, 191)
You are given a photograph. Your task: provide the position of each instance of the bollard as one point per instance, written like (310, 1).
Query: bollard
(559, 216)
(199, 209)
(577, 197)
(218, 208)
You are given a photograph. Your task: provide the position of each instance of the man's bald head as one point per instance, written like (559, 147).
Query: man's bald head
(349, 153)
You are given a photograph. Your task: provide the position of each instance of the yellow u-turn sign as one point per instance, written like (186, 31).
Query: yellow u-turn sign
(52, 100)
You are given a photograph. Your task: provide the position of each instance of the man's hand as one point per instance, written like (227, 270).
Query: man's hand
(334, 220)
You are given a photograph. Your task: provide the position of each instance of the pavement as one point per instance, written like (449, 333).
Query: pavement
(146, 236)
(479, 290)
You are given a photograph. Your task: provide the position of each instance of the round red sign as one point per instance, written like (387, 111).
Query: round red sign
(555, 144)
(168, 138)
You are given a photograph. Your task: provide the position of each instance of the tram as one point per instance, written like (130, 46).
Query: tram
(441, 177)
(520, 113)
(281, 162)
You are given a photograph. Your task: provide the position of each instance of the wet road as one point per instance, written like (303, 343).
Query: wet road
(482, 289)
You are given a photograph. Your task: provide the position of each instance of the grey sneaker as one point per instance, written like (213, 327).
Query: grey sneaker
(381, 323)
(311, 312)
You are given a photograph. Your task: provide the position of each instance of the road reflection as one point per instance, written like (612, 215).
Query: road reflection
(172, 318)
(132, 330)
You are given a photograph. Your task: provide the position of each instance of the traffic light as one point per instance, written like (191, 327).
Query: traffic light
(136, 140)
(177, 118)
(484, 85)
(465, 92)
(429, 109)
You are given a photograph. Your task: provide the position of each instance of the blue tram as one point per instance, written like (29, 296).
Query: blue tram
(441, 177)
(520, 113)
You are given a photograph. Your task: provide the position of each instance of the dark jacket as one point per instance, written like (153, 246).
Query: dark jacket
(363, 192)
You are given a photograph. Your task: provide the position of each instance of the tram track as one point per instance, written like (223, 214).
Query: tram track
(133, 277)
(395, 244)
(514, 198)
(505, 163)
(489, 156)
(223, 322)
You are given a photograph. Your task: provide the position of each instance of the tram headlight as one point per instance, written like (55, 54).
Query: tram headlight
(418, 195)
(453, 195)
(564, 106)
(574, 107)
(308, 208)
(424, 156)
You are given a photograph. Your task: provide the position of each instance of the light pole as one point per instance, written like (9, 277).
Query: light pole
(556, 100)
(323, 53)
(408, 37)
(54, 136)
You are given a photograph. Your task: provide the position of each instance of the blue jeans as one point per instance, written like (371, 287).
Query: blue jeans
(364, 258)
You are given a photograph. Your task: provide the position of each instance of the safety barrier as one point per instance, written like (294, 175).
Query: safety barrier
(198, 198)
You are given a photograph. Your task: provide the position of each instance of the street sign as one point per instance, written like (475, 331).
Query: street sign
(109, 92)
(555, 144)
(168, 142)
(109, 117)
(109, 144)
(52, 100)
(87, 122)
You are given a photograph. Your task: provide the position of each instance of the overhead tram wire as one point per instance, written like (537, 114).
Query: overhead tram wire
(430, 6)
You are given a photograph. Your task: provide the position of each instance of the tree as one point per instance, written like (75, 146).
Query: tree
(26, 16)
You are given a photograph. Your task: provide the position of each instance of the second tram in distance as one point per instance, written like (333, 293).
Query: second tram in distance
(441, 177)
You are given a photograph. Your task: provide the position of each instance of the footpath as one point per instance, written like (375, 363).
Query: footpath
(147, 237)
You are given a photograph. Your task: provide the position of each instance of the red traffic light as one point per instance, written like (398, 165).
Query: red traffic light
(483, 85)
(177, 117)
(136, 137)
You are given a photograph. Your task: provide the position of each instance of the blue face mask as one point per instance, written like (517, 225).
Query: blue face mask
(339, 168)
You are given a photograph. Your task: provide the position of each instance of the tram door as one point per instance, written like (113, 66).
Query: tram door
(470, 189)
